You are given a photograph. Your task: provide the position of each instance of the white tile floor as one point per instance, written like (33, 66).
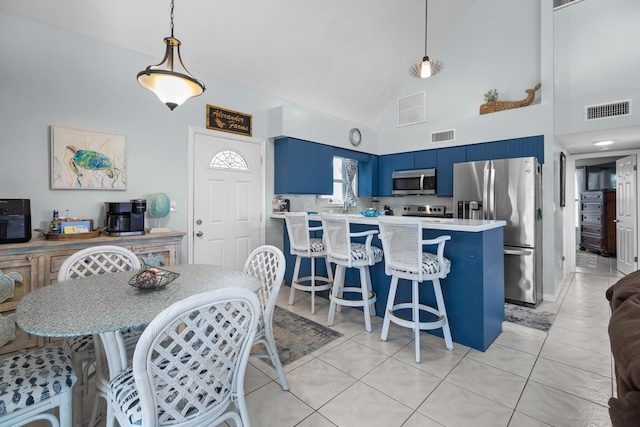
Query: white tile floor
(526, 378)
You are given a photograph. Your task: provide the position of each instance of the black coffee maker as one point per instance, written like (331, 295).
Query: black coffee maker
(125, 219)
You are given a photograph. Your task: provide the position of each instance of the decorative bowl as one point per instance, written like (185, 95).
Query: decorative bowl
(152, 278)
(370, 213)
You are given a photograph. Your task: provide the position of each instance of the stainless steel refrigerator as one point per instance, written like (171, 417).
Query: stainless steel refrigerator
(509, 190)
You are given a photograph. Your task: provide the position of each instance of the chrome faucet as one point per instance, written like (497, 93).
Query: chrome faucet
(345, 207)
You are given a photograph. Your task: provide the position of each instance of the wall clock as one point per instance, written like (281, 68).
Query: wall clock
(355, 137)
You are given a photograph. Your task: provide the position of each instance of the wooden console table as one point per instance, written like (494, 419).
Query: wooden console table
(38, 262)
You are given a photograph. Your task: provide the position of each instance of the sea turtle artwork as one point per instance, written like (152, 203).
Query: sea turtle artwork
(7, 284)
(90, 160)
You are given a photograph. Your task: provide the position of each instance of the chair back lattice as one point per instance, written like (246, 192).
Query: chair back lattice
(402, 244)
(267, 264)
(337, 238)
(98, 260)
(189, 363)
(298, 230)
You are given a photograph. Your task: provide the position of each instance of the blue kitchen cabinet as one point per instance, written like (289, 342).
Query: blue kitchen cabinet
(532, 146)
(388, 164)
(302, 167)
(368, 177)
(446, 158)
(426, 159)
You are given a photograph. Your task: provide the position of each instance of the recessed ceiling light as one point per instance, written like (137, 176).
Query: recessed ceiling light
(601, 143)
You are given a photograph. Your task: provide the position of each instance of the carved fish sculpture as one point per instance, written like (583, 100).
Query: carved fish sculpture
(7, 284)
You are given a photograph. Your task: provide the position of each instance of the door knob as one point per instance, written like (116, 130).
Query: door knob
(199, 234)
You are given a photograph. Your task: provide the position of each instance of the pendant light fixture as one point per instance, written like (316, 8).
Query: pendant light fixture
(427, 67)
(170, 80)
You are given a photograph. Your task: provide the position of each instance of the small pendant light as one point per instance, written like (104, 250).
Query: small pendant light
(427, 67)
(170, 81)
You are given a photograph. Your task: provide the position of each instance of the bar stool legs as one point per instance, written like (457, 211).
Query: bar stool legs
(297, 282)
(415, 306)
(367, 301)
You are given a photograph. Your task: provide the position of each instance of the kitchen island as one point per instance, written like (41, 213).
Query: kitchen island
(473, 290)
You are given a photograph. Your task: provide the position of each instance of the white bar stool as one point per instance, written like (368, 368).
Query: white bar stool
(404, 259)
(346, 254)
(303, 246)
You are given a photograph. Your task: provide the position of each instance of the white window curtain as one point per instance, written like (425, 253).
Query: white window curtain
(351, 169)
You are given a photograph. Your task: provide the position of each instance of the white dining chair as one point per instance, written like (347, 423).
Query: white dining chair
(406, 259)
(82, 349)
(268, 264)
(189, 365)
(33, 384)
(303, 246)
(346, 253)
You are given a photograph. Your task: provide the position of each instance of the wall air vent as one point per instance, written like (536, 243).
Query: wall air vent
(412, 109)
(443, 136)
(610, 109)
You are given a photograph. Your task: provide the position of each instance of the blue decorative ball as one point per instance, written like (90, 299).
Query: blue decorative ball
(159, 205)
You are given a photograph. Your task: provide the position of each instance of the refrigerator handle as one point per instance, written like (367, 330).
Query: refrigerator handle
(492, 192)
(516, 252)
(485, 190)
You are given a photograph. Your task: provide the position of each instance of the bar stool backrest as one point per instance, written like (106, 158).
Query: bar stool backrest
(298, 230)
(401, 245)
(337, 238)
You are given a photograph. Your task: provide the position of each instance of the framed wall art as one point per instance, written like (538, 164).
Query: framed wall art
(87, 160)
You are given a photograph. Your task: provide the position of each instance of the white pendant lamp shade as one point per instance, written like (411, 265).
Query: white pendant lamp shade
(170, 80)
(427, 67)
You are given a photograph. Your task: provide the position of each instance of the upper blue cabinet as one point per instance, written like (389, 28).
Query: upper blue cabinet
(302, 167)
(447, 157)
(531, 146)
(387, 165)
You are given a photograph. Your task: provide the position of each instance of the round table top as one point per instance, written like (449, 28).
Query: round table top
(107, 302)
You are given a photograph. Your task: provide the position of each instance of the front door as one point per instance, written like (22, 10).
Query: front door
(626, 214)
(228, 198)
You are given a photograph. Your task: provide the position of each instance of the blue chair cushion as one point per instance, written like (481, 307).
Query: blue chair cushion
(430, 264)
(33, 376)
(359, 252)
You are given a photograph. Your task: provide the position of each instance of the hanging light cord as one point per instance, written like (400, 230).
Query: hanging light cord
(172, 19)
(426, 16)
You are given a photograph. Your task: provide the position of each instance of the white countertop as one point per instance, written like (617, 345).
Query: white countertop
(451, 224)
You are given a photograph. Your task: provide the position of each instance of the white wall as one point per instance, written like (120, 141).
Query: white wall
(53, 77)
(596, 61)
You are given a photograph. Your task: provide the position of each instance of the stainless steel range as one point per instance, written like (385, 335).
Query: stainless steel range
(431, 211)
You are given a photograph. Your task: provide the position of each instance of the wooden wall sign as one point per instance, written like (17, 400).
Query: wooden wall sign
(228, 120)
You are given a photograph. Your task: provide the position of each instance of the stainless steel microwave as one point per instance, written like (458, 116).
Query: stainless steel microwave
(414, 182)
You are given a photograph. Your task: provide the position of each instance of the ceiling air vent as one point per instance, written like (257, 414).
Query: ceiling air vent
(610, 109)
(412, 109)
(443, 136)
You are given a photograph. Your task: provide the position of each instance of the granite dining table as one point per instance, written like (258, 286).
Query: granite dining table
(104, 304)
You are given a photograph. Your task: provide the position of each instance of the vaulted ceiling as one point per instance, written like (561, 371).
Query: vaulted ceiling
(346, 58)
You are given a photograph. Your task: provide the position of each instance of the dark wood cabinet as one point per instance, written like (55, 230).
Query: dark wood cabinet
(597, 226)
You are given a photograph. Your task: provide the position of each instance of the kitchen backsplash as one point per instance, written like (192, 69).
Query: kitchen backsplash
(312, 203)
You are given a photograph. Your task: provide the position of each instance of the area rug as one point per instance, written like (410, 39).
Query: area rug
(297, 336)
(530, 317)
(586, 260)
